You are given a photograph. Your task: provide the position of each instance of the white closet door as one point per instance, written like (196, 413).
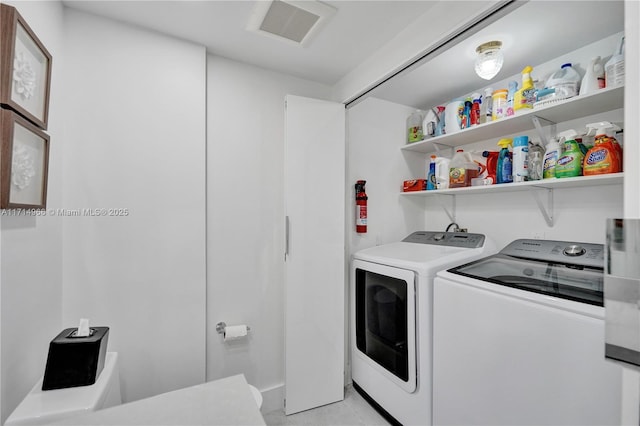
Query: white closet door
(315, 263)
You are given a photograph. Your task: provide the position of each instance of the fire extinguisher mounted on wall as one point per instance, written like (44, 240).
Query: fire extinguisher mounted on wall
(361, 207)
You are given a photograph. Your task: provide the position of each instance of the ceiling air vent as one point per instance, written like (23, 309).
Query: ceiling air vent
(292, 21)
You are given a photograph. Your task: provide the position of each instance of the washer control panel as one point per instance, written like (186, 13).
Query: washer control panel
(450, 239)
(582, 254)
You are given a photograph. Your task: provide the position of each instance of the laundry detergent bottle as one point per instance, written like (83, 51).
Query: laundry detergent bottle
(606, 154)
(570, 162)
(492, 164)
(504, 168)
(550, 159)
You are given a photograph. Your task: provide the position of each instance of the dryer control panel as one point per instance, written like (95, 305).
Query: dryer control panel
(449, 239)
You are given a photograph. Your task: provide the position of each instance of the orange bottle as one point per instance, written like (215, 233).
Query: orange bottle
(606, 154)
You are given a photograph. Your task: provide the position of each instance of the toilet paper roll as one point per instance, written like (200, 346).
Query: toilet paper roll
(234, 332)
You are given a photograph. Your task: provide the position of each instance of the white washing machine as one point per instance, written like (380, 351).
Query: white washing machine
(391, 318)
(519, 339)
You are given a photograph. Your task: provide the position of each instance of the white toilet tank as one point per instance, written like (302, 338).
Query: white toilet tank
(44, 407)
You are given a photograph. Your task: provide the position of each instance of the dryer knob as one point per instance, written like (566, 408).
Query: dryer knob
(574, 250)
(438, 237)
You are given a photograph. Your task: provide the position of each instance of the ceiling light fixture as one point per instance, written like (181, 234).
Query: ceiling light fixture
(489, 60)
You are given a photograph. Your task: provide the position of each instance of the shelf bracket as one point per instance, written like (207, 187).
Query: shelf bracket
(450, 210)
(536, 122)
(546, 210)
(441, 147)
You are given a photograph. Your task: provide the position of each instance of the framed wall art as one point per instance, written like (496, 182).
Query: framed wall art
(25, 69)
(24, 163)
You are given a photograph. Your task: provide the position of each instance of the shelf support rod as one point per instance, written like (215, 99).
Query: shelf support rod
(538, 126)
(547, 211)
(441, 147)
(451, 212)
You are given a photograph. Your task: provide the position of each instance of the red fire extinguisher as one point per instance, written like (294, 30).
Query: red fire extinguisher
(361, 207)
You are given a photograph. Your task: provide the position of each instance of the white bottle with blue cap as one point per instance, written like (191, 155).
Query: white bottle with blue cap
(520, 158)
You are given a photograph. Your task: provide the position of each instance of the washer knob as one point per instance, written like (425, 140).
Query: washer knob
(438, 237)
(574, 250)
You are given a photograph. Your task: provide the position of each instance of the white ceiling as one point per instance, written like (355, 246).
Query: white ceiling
(353, 34)
(532, 33)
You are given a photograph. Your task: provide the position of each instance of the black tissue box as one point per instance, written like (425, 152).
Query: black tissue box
(75, 361)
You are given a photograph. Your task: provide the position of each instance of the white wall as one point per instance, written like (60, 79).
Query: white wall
(375, 133)
(31, 261)
(135, 140)
(245, 219)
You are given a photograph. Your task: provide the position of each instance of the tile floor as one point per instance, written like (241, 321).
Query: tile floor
(353, 411)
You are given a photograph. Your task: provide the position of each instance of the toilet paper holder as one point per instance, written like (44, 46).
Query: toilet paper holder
(221, 327)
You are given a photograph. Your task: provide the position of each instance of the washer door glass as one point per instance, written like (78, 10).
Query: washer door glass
(571, 282)
(385, 322)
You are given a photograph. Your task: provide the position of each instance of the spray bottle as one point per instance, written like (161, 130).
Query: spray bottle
(526, 96)
(504, 167)
(570, 162)
(606, 154)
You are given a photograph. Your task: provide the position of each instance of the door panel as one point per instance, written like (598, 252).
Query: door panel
(314, 270)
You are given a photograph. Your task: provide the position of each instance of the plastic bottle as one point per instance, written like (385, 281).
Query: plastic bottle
(520, 158)
(550, 159)
(565, 81)
(511, 93)
(536, 157)
(535, 165)
(593, 78)
(492, 164)
(475, 112)
(462, 169)
(504, 166)
(414, 127)
(431, 174)
(499, 104)
(614, 68)
(526, 96)
(466, 114)
(453, 114)
(570, 162)
(442, 172)
(431, 121)
(485, 106)
(606, 154)
(535, 146)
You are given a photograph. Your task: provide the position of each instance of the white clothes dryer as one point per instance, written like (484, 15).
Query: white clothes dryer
(391, 301)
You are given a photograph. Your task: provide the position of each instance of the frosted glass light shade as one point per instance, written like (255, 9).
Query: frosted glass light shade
(489, 60)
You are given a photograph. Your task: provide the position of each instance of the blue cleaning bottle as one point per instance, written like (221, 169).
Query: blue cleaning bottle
(431, 175)
(504, 168)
